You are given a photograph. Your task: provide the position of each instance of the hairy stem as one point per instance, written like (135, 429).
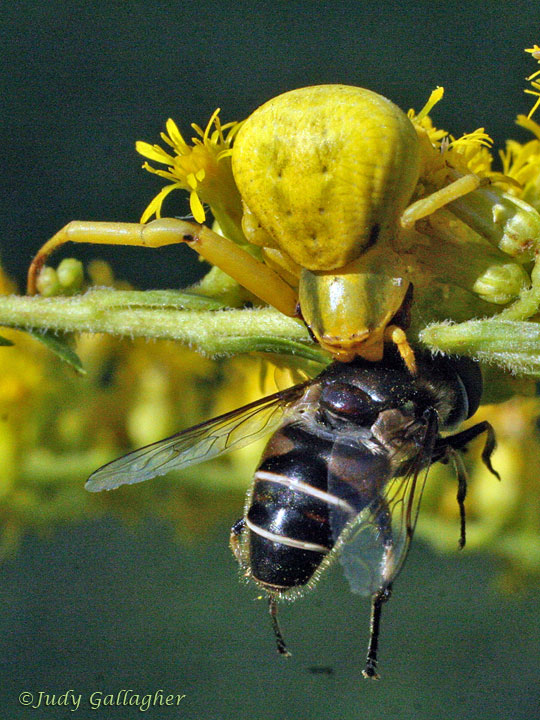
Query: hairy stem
(162, 315)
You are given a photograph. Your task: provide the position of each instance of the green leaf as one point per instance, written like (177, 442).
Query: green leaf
(181, 299)
(5, 342)
(59, 347)
(283, 346)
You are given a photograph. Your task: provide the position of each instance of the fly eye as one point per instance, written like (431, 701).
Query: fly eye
(349, 403)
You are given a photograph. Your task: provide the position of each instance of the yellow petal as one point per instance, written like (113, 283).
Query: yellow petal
(433, 99)
(154, 206)
(528, 123)
(196, 207)
(213, 118)
(153, 152)
(174, 133)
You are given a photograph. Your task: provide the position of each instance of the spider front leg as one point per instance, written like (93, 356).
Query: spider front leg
(438, 199)
(249, 272)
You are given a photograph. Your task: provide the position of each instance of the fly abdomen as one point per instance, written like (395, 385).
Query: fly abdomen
(288, 519)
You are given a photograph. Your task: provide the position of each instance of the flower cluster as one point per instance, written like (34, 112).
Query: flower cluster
(203, 169)
(57, 427)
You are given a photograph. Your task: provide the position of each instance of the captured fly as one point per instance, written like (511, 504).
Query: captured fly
(342, 475)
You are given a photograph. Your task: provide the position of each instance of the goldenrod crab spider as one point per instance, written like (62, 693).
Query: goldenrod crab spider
(332, 181)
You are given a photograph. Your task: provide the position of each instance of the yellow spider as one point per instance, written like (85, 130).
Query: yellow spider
(337, 203)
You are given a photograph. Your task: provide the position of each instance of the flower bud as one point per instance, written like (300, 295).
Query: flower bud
(47, 283)
(70, 275)
(500, 284)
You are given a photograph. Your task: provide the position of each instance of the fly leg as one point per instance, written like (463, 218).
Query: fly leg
(370, 670)
(235, 542)
(460, 440)
(280, 642)
(384, 521)
(461, 472)
(449, 448)
(238, 549)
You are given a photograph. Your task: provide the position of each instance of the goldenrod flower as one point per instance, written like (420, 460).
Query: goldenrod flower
(522, 162)
(203, 169)
(56, 427)
(469, 153)
(423, 120)
(535, 52)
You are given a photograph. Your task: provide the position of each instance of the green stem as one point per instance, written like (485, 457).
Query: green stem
(510, 344)
(156, 315)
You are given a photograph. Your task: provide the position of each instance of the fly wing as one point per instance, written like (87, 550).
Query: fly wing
(382, 490)
(199, 443)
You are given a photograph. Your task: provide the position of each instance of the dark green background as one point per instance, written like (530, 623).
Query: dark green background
(82, 82)
(101, 608)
